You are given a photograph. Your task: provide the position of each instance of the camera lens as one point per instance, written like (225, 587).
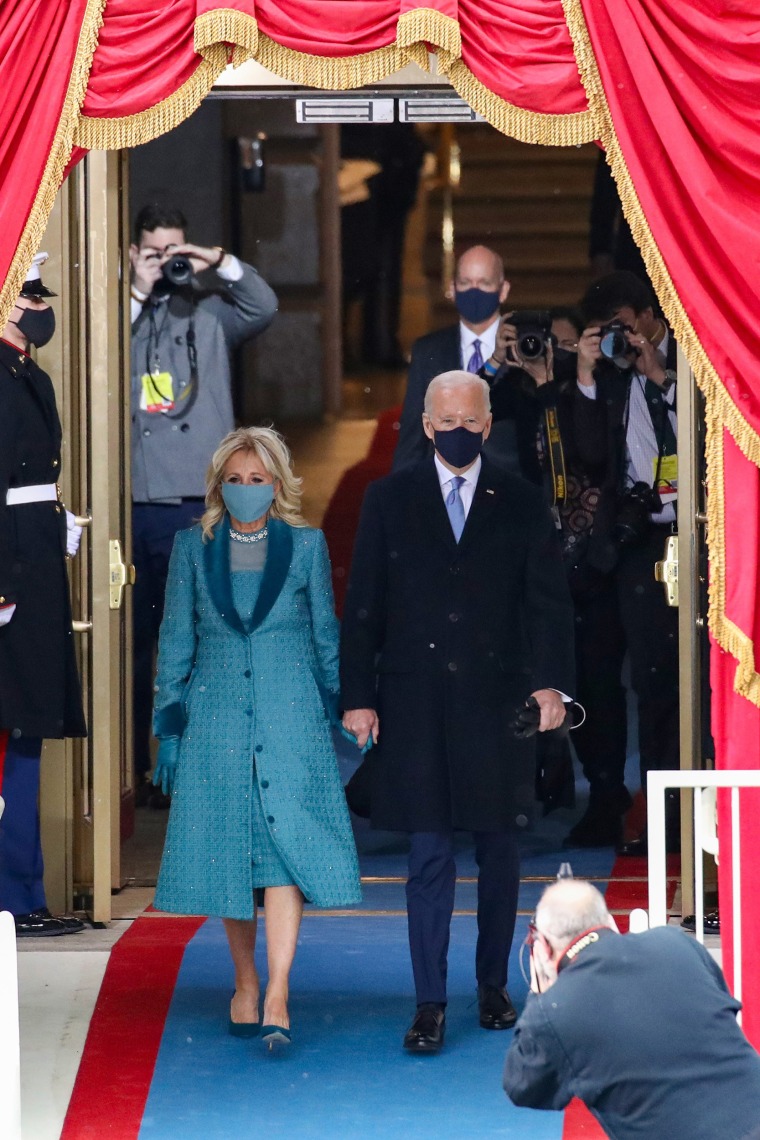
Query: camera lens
(614, 343)
(531, 346)
(178, 269)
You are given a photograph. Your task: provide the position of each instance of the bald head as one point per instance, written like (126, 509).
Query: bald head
(479, 287)
(569, 907)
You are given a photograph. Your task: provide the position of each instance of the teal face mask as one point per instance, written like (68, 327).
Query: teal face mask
(247, 502)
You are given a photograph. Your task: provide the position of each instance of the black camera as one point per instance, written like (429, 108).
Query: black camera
(178, 270)
(615, 346)
(632, 523)
(534, 328)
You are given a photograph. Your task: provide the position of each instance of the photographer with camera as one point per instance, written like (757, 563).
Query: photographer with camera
(626, 419)
(640, 1027)
(183, 330)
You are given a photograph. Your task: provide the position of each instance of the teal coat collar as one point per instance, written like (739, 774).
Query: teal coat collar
(216, 559)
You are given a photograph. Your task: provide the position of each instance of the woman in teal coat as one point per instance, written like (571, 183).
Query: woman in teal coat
(246, 689)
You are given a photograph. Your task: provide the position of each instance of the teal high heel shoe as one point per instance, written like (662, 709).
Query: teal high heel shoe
(275, 1036)
(243, 1028)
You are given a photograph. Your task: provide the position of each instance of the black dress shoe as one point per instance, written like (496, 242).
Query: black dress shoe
(42, 924)
(425, 1034)
(711, 920)
(496, 1010)
(601, 825)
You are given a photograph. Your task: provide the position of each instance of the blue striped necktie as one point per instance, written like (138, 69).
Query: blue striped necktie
(455, 506)
(475, 363)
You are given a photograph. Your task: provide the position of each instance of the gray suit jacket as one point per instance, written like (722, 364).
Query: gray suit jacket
(171, 450)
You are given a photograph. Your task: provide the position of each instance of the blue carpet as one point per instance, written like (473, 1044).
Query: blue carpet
(346, 1074)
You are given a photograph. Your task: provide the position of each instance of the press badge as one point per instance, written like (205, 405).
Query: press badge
(156, 392)
(667, 485)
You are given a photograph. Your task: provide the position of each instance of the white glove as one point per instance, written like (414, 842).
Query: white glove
(73, 535)
(6, 613)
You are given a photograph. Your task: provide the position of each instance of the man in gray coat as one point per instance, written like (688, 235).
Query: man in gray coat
(182, 335)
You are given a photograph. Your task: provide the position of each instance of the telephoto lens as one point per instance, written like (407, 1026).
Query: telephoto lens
(178, 270)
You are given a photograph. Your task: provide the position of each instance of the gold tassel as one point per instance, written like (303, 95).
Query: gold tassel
(57, 160)
(720, 410)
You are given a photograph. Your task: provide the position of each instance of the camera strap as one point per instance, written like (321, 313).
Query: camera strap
(663, 430)
(183, 400)
(556, 456)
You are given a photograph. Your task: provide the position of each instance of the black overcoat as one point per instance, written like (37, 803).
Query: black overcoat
(39, 683)
(446, 640)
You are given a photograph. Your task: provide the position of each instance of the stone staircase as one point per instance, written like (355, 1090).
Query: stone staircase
(531, 204)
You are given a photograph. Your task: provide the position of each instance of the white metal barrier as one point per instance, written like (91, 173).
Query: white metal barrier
(657, 784)
(10, 1063)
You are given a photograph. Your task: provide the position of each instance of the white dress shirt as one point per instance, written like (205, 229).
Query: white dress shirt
(487, 340)
(466, 489)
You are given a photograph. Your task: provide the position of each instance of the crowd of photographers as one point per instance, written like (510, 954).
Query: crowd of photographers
(583, 403)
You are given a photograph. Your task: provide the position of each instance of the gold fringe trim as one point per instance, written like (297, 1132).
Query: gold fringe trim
(721, 411)
(416, 29)
(57, 160)
(133, 130)
(227, 26)
(331, 73)
(525, 126)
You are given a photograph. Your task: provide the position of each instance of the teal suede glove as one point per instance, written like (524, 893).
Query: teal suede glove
(166, 764)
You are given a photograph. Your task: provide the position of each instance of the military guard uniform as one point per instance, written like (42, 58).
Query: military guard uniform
(39, 684)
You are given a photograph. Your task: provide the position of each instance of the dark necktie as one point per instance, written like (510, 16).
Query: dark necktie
(475, 363)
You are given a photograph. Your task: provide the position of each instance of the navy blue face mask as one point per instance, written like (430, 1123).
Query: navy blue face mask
(476, 305)
(458, 446)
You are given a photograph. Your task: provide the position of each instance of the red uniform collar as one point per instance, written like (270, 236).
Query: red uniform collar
(15, 347)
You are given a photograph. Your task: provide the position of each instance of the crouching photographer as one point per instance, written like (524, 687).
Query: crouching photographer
(626, 420)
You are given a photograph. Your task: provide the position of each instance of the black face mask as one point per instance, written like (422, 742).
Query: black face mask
(458, 446)
(36, 326)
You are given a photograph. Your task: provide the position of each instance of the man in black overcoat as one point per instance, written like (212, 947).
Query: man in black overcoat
(39, 683)
(457, 610)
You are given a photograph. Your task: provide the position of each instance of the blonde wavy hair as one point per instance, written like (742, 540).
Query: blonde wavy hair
(271, 450)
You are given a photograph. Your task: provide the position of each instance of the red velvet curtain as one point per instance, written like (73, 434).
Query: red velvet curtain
(680, 88)
(672, 90)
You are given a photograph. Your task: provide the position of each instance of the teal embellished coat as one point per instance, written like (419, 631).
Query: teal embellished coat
(251, 701)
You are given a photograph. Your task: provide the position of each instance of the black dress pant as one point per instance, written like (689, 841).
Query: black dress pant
(600, 643)
(651, 631)
(430, 904)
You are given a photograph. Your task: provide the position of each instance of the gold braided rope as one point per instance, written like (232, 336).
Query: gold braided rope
(57, 160)
(132, 130)
(720, 411)
(525, 126)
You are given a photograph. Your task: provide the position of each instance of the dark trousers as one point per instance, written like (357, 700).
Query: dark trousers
(651, 632)
(600, 742)
(21, 889)
(154, 526)
(430, 904)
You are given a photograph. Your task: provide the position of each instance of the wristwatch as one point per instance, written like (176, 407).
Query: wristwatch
(670, 378)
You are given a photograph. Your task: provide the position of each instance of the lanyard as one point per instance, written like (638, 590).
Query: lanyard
(187, 397)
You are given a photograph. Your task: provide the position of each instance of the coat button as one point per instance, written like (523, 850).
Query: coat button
(270, 819)
(247, 673)
(146, 431)
(452, 666)
(259, 747)
(249, 712)
(453, 617)
(265, 783)
(185, 427)
(54, 463)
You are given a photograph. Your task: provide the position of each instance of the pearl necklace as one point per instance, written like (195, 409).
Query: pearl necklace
(254, 536)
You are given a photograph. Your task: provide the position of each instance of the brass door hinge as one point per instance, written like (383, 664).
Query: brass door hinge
(121, 575)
